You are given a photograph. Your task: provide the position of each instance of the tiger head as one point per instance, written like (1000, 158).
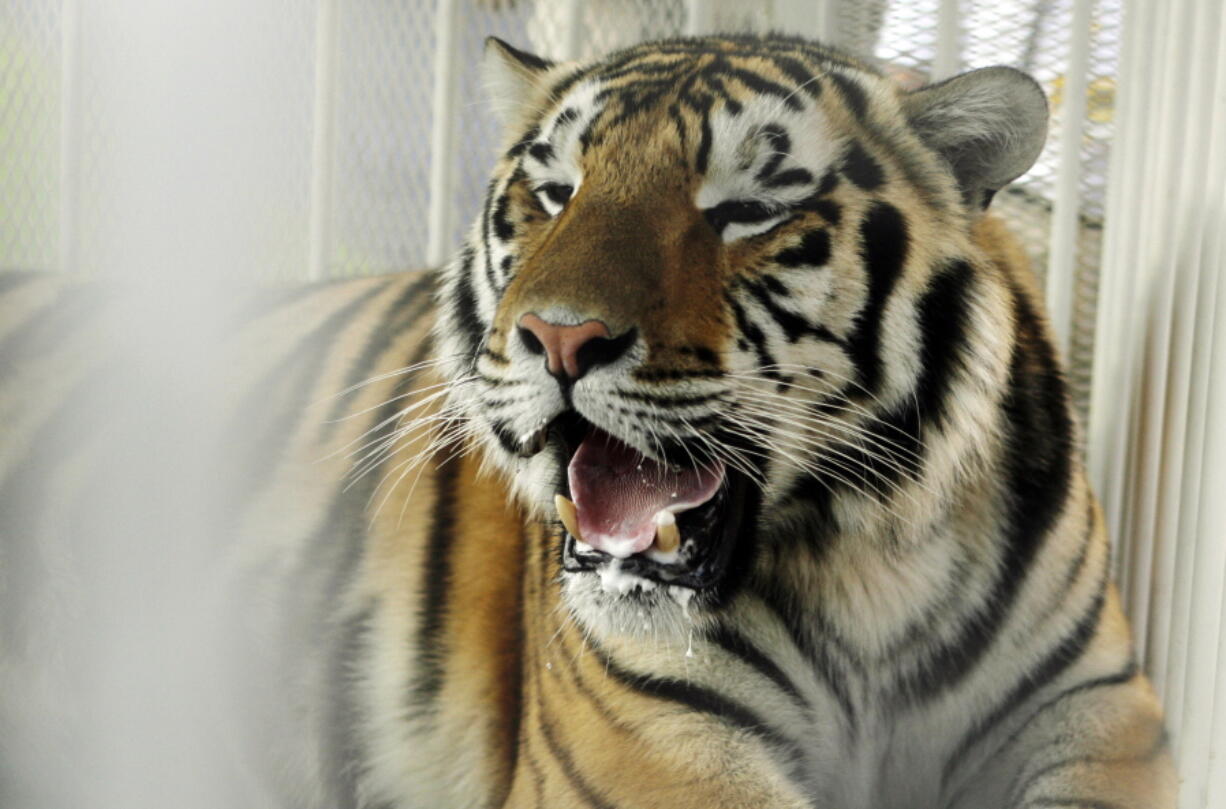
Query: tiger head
(726, 298)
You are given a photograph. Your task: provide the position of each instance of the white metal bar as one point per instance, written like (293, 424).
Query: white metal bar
(1112, 407)
(1066, 206)
(828, 29)
(572, 28)
(697, 17)
(1195, 297)
(1202, 521)
(442, 135)
(322, 141)
(1157, 236)
(70, 136)
(948, 59)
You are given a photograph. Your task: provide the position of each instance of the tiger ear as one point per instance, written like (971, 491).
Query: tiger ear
(989, 124)
(512, 77)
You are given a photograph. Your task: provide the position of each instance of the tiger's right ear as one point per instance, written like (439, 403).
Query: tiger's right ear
(512, 78)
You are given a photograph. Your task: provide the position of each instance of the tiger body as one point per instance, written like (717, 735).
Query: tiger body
(913, 608)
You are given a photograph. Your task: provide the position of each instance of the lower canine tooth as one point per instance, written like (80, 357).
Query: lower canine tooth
(668, 538)
(566, 513)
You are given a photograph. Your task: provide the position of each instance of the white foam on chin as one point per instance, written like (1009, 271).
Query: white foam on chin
(615, 580)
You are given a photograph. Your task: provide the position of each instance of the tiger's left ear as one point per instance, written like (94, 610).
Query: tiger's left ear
(989, 124)
(512, 78)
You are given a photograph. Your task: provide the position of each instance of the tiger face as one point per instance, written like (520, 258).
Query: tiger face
(724, 295)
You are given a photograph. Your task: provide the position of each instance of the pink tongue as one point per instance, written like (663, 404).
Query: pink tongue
(618, 491)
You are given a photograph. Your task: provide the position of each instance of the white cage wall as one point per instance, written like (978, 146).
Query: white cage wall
(289, 139)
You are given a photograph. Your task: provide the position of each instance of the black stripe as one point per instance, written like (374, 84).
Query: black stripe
(543, 152)
(1070, 803)
(464, 306)
(430, 645)
(398, 318)
(853, 94)
(675, 374)
(756, 338)
(700, 699)
(798, 72)
(669, 401)
(1036, 466)
(1158, 746)
(820, 655)
(813, 251)
(884, 248)
(780, 145)
(860, 167)
(943, 314)
(567, 765)
(1126, 675)
(793, 325)
(736, 644)
(1067, 652)
(789, 177)
(702, 105)
(504, 230)
(761, 84)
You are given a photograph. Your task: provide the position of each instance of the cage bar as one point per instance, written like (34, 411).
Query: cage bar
(323, 137)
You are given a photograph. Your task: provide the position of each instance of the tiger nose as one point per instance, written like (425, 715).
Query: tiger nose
(572, 349)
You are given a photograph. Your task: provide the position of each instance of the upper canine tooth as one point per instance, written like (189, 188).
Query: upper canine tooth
(566, 513)
(668, 538)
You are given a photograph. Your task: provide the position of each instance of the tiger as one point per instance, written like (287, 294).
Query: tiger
(729, 463)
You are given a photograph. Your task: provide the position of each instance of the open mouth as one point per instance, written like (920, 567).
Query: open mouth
(639, 521)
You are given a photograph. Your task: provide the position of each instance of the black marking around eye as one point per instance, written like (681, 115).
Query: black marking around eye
(557, 193)
(860, 167)
(738, 211)
(813, 251)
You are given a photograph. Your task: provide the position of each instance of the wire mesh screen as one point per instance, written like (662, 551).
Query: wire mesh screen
(30, 60)
(337, 131)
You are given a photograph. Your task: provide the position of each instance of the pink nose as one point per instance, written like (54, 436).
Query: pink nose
(561, 344)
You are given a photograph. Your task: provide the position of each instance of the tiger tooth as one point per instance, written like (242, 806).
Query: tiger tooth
(668, 538)
(566, 513)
